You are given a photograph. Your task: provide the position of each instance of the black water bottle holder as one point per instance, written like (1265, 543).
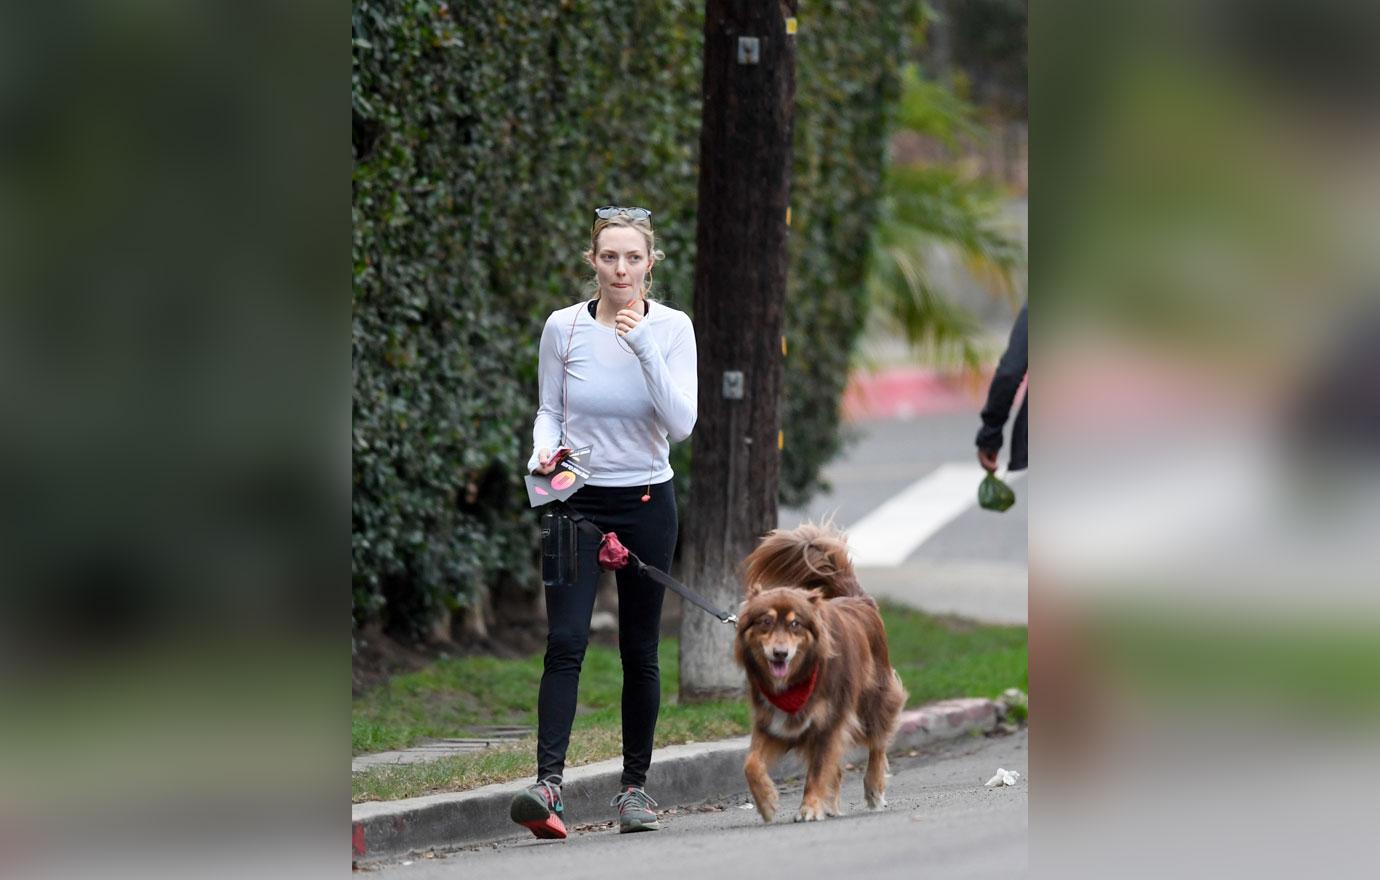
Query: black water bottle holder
(559, 550)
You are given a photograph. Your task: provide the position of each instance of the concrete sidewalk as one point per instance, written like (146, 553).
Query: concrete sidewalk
(680, 775)
(990, 592)
(434, 750)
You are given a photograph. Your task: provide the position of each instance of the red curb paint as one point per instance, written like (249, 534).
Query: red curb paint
(357, 840)
(904, 392)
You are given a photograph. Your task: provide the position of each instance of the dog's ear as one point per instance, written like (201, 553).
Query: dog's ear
(819, 624)
(743, 620)
(740, 653)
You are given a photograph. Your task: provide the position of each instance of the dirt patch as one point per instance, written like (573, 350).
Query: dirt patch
(378, 657)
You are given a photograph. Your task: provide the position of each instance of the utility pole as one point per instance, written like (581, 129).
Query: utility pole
(740, 295)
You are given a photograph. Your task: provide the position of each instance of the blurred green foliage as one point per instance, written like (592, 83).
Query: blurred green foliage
(984, 45)
(847, 88)
(929, 208)
(482, 136)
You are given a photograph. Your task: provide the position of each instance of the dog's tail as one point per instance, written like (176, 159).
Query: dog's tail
(811, 556)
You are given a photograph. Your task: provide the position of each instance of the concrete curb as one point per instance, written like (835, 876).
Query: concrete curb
(680, 775)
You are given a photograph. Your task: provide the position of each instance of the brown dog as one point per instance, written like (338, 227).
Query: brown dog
(814, 650)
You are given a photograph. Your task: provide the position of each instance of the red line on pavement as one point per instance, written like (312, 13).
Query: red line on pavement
(902, 392)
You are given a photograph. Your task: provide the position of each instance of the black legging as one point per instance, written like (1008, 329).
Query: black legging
(648, 529)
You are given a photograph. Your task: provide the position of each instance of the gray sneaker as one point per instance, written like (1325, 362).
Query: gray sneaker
(538, 808)
(635, 811)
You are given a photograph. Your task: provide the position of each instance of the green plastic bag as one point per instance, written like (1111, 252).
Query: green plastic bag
(993, 494)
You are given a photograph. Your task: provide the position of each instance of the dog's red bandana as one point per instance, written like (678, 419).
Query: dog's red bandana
(792, 698)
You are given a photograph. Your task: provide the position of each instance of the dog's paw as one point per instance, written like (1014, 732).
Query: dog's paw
(766, 807)
(876, 801)
(810, 813)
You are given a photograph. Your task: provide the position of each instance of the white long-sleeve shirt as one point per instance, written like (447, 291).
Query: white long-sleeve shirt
(627, 397)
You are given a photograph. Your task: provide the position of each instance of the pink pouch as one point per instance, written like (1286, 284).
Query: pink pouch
(612, 554)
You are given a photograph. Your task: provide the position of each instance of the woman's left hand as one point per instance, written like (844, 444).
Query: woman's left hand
(628, 317)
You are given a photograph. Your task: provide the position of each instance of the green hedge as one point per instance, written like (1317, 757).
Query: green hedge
(483, 134)
(847, 85)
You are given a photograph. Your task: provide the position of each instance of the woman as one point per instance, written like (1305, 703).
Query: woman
(616, 373)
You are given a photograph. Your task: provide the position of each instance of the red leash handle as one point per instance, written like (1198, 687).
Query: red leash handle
(613, 556)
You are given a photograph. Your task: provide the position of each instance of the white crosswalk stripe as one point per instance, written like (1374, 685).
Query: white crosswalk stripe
(893, 531)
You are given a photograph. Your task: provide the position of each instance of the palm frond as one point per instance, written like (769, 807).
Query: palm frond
(928, 212)
(933, 212)
(932, 109)
(960, 213)
(906, 300)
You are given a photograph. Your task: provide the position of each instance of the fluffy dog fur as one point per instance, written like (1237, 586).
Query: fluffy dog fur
(810, 556)
(806, 611)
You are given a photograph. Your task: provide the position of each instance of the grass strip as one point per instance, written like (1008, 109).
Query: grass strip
(937, 657)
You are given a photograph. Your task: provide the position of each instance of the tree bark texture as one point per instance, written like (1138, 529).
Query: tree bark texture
(740, 294)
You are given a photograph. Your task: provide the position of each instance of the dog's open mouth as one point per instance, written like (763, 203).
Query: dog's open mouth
(779, 668)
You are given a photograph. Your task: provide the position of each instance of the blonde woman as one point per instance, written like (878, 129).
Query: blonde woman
(616, 373)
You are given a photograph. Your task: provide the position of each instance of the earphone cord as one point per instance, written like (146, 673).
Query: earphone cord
(565, 379)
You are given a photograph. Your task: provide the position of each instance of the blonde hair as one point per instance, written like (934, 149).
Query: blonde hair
(622, 221)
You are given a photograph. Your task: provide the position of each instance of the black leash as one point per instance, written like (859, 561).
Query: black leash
(656, 574)
(690, 595)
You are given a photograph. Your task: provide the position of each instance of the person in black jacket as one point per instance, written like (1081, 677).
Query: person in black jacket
(1005, 381)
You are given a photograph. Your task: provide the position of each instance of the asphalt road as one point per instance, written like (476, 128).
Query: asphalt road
(941, 823)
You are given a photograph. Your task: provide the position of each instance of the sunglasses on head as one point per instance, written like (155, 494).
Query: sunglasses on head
(608, 212)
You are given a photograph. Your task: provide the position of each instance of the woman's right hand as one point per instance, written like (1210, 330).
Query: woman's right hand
(544, 465)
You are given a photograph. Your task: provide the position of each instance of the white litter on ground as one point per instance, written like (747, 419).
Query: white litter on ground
(1003, 777)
